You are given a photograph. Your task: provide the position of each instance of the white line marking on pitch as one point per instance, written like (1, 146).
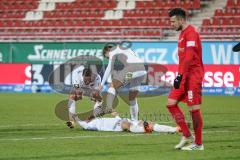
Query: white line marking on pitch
(74, 137)
(27, 125)
(39, 125)
(99, 136)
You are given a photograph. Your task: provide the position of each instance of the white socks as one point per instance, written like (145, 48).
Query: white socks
(72, 106)
(164, 128)
(134, 110)
(97, 104)
(110, 97)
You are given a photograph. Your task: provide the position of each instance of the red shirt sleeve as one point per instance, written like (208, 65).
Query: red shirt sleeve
(189, 51)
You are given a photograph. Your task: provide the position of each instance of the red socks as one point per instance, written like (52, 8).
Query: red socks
(197, 125)
(179, 118)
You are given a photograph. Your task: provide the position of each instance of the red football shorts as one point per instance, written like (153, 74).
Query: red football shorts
(190, 91)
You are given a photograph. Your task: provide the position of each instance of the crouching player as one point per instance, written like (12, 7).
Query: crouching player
(118, 124)
(87, 84)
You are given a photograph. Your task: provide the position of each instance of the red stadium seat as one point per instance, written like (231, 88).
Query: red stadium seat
(215, 21)
(81, 17)
(196, 4)
(188, 4)
(225, 24)
(236, 21)
(228, 12)
(224, 21)
(218, 13)
(231, 3)
(206, 22)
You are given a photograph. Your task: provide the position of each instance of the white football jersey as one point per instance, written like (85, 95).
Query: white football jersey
(87, 89)
(126, 56)
(105, 124)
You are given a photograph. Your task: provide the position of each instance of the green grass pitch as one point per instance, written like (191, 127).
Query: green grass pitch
(30, 130)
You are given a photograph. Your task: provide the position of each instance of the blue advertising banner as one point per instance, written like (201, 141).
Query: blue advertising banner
(21, 88)
(230, 91)
(166, 52)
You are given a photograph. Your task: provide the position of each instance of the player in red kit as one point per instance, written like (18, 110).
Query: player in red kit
(188, 83)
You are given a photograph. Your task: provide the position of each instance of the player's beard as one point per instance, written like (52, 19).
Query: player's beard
(179, 28)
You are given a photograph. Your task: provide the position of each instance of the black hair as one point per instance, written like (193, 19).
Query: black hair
(236, 48)
(146, 127)
(177, 12)
(87, 72)
(108, 47)
(145, 124)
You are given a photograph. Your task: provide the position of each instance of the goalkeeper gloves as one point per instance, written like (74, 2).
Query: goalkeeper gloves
(177, 81)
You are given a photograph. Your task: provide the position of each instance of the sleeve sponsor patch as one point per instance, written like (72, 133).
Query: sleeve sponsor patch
(190, 43)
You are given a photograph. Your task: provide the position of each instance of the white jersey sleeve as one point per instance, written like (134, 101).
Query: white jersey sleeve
(108, 70)
(112, 58)
(124, 54)
(164, 128)
(83, 124)
(96, 82)
(77, 78)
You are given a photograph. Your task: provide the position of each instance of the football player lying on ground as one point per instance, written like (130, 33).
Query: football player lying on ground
(118, 124)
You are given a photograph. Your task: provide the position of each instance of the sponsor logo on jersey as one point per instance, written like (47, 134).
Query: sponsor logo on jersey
(191, 43)
(190, 95)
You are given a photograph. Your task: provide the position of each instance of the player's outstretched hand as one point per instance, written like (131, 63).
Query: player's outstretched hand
(70, 124)
(177, 81)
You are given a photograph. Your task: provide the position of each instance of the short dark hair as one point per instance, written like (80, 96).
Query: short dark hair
(177, 12)
(108, 47)
(87, 72)
(147, 127)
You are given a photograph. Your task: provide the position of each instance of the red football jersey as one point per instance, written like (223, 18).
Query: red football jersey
(190, 53)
